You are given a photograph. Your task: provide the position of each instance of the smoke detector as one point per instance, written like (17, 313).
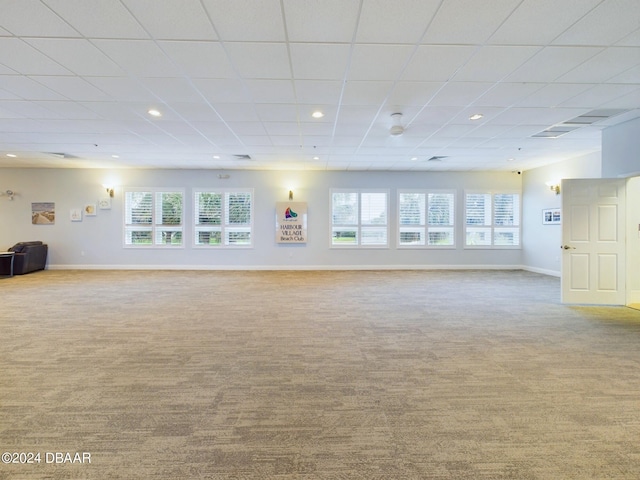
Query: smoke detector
(397, 128)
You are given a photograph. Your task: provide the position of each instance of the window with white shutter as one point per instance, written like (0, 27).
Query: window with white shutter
(492, 219)
(426, 218)
(359, 218)
(223, 218)
(153, 217)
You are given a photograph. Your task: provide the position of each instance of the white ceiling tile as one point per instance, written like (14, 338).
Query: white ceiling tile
(319, 61)
(222, 90)
(27, 88)
(5, 95)
(255, 129)
(271, 91)
(609, 22)
(631, 100)
(461, 22)
(195, 111)
(506, 94)
(172, 90)
(551, 63)
(459, 94)
(604, 66)
(260, 60)
(33, 18)
(29, 110)
(199, 59)
(413, 93)
(274, 113)
(122, 88)
(553, 95)
(437, 63)
(378, 62)
(538, 22)
(631, 40)
(493, 63)
(628, 76)
(23, 58)
(320, 92)
(69, 110)
(176, 20)
(404, 22)
(599, 95)
(314, 21)
(72, 87)
(98, 18)
(231, 112)
(247, 20)
(78, 55)
(366, 93)
(141, 58)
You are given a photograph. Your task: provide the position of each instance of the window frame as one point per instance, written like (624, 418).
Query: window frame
(224, 228)
(426, 227)
(493, 227)
(359, 226)
(154, 227)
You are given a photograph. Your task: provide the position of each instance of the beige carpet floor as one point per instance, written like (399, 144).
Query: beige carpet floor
(314, 375)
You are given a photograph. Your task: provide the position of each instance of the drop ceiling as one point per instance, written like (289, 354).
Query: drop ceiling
(236, 82)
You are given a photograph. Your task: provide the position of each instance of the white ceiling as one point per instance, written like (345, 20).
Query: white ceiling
(242, 77)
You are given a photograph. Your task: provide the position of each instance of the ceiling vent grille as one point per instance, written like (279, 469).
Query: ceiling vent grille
(555, 132)
(594, 116)
(436, 158)
(242, 157)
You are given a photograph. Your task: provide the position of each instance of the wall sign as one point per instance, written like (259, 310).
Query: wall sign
(291, 222)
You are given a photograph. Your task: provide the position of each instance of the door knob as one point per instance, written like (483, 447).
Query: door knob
(567, 247)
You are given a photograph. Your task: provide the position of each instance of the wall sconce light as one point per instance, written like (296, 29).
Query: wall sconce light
(290, 195)
(109, 190)
(10, 194)
(554, 186)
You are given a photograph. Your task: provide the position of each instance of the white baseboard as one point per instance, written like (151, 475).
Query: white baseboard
(543, 271)
(285, 267)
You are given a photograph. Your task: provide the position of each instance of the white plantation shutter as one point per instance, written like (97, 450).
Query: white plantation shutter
(492, 219)
(208, 218)
(412, 218)
(153, 217)
(478, 219)
(373, 218)
(506, 219)
(138, 221)
(344, 218)
(223, 218)
(238, 213)
(359, 218)
(441, 208)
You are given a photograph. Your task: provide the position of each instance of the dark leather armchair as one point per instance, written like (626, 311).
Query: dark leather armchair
(29, 257)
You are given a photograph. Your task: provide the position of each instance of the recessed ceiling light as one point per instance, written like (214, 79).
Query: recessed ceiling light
(413, 159)
(115, 156)
(316, 158)
(317, 114)
(154, 113)
(476, 116)
(12, 155)
(216, 157)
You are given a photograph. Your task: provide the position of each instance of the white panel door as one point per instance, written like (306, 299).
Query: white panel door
(593, 241)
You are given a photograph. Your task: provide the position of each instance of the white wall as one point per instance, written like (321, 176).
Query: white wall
(621, 150)
(96, 242)
(541, 243)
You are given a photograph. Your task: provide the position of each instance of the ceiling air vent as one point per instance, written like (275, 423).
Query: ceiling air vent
(436, 158)
(242, 157)
(555, 132)
(594, 116)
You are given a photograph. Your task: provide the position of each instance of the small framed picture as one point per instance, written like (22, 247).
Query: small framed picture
(75, 215)
(104, 203)
(551, 216)
(90, 210)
